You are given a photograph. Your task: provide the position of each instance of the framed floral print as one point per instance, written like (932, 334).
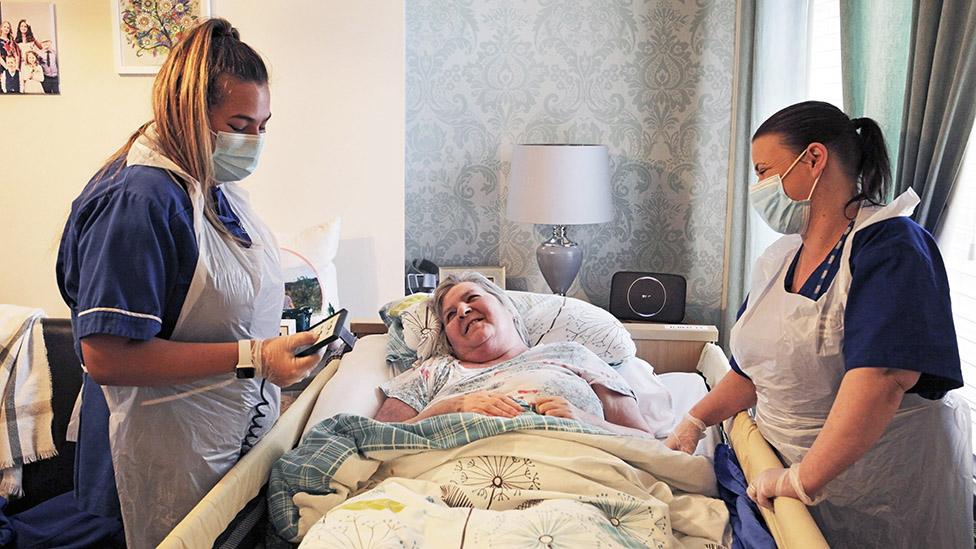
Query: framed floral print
(146, 30)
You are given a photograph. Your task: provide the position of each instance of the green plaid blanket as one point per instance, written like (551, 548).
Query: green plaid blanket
(311, 466)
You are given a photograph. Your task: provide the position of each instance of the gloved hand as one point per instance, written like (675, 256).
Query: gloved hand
(274, 358)
(773, 483)
(686, 434)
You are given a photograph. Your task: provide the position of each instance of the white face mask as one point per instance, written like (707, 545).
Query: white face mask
(236, 155)
(783, 214)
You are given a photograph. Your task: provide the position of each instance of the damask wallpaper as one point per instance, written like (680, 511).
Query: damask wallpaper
(651, 79)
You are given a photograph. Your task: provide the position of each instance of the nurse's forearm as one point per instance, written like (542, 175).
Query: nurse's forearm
(866, 401)
(113, 360)
(733, 394)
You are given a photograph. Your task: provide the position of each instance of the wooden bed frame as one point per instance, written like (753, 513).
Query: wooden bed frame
(669, 349)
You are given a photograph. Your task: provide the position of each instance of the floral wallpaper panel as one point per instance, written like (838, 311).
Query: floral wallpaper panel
(651, 79)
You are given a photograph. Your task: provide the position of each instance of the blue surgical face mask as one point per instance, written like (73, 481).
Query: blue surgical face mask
(783, 214)
(235, 155)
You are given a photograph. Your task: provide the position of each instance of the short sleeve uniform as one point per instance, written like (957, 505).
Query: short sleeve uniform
(125, 263)
(898, 312)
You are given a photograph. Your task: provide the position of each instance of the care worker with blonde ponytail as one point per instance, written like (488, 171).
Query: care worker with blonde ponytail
(175, 291)
(846, 345)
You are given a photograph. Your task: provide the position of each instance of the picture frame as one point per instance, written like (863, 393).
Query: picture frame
(494, 273)
(143, 33)
(29, 50)
(288, 327)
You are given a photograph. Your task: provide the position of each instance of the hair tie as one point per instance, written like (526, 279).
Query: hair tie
(226, 31)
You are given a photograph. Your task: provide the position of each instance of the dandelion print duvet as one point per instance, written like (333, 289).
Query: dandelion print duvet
(473, 481)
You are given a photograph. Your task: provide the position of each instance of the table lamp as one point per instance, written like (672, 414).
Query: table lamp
(560, 185)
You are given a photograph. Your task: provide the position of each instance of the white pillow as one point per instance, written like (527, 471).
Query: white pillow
(355, 387)
(314, 248)
(653, 397)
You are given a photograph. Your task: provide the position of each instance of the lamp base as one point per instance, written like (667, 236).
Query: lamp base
(559, 260)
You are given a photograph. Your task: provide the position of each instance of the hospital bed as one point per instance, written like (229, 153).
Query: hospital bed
(233, 506)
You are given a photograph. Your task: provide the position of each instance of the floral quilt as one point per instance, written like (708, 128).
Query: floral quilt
(467, 480)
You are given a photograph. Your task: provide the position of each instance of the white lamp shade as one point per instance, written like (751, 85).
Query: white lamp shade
(560, 184)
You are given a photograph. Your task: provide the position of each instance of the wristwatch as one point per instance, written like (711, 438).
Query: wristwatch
(245, 368)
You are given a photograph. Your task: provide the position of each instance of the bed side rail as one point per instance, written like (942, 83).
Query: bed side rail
(789, 521)
(209, 518)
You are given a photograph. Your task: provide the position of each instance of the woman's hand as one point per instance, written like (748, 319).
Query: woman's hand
(488, 404)
(277, 360)
(686, 435)
(555, 406)
(771, 483)
(774, 483)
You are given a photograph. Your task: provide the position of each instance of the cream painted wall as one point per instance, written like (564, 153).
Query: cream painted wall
(335, 143)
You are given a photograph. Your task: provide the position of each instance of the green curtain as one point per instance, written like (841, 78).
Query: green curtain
(737, 226)
(940, 103)
(770, 74)
(875, 50)
(911, 65)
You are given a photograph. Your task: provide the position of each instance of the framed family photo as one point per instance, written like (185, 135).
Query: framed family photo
(494, 273)
(28, 49)
(145, 31)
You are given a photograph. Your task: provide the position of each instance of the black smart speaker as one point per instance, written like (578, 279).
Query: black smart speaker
(654, 297)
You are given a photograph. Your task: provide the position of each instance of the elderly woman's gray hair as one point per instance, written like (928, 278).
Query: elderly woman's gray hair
(453, 280)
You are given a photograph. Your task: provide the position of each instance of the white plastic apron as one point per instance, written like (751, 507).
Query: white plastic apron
(171, 444)
(914, 487)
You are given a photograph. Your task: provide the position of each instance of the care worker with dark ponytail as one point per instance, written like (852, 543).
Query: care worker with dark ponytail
(175, 290)
(846, 345)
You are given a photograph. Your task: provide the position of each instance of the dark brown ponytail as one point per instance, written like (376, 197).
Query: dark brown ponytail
(875, 169)
(858, 144)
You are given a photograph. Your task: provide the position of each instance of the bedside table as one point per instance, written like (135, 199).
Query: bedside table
(366, 326)
(671, 347)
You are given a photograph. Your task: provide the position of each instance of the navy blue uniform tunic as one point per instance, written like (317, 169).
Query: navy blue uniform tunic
(125, 264)
(898, 311)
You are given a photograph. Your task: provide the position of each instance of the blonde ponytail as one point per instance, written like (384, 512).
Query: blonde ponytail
(184, 91)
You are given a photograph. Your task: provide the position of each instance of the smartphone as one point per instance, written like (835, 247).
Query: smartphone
(326, 332)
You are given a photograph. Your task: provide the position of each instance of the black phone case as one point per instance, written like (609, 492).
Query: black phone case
(312, 349)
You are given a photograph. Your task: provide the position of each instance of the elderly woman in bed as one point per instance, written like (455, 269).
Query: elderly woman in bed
(494, 372)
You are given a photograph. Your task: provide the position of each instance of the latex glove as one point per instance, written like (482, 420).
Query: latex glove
(275, 359)
(686, 434)
(774, 483)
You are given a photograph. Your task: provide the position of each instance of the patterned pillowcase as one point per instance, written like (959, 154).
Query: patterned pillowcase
(422, 330)
(415, 330)
(400, 355)
(552, 318)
